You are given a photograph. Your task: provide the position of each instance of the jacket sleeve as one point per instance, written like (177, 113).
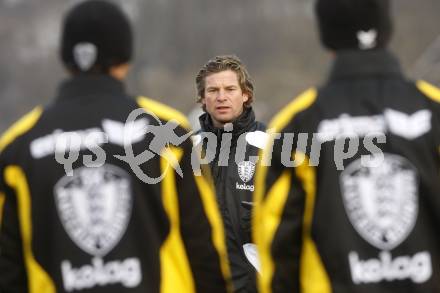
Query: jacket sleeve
(202, 230)
(285, 197)
(277, 223)
(193, 257)
(13, 276)
(194, 254)
(13, 271)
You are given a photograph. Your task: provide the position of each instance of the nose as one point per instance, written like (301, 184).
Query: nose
(221, 96)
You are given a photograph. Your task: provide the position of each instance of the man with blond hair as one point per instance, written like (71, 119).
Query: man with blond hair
(226, 93)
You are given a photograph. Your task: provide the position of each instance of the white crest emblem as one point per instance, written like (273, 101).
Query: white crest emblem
(85, 55)
(381, 202)
(246, 170)
(94, 206)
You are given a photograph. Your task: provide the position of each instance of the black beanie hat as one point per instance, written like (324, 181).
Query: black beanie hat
(96, 35)
(354, 24)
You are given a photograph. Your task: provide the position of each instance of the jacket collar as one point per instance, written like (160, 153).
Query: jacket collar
(355, 63)
(240, 125)
(84, 86)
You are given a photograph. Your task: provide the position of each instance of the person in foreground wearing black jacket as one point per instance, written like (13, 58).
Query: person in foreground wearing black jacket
(80, 216)
(357, 210)
(231, 138)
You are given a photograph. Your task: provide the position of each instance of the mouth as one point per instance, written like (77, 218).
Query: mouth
(222, 108)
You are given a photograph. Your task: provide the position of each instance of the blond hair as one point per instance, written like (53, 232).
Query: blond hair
(223, 63)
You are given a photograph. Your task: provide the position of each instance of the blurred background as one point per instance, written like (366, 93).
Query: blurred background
(276, 39)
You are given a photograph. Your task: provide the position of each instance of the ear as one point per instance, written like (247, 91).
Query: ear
(245, 97)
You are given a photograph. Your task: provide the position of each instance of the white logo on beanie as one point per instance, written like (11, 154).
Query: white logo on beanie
(85, 55)
(367, 39)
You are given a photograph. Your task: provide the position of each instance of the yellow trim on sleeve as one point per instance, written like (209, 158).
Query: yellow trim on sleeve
(38, 279)
(218, 234)
(20, 127)
(278, 123)
(163, 111)
(313, 276)
(267, 219)
(176, 275)
(268, 209)
(429, 90)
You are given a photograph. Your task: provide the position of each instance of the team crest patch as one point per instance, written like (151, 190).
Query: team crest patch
(85, 55)
(246, 170)
(381, 202)
(94, 206)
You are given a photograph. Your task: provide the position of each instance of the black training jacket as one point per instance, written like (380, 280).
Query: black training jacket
(358, 209)
(234, 183)
(104, 226)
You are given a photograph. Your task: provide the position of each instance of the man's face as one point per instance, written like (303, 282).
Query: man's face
(224, 98)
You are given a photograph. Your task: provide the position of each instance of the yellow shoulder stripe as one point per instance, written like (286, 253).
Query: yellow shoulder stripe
(20, 127)
(277, 124)
(38, 279)
(428, 89)
(163, 111)
(302, 102)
